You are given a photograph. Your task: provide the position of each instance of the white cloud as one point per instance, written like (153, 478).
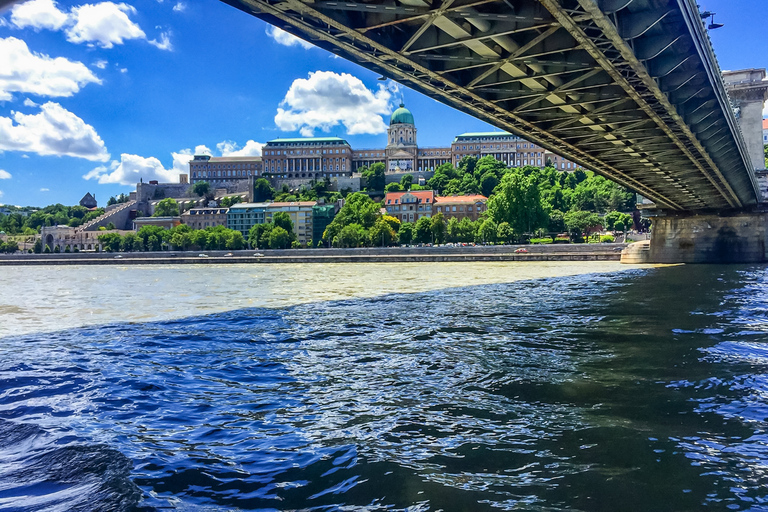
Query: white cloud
(24, 71)
(101, 64)
(106, 23)
(4, 175)
(29, 103)
(327, 99)
(284, 38)
(164, 43)
(38, 14)
(1, 193)
(53, 131)
(230, 148)
(131, 169)
(180, 7)
(45, 190)
(203, 150)
(123, 70)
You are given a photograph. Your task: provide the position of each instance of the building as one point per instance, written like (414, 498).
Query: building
(224, 171)
(243, 216)
(514, 151)
(163, 222)
(88, 201)
(201, 218)
(309, 158)
(470, 206)
(322, 215)
(409, 206)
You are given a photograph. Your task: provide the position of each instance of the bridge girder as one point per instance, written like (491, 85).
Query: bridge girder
(628, 88)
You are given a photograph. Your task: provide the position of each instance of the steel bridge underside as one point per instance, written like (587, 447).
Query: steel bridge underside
(628, 88)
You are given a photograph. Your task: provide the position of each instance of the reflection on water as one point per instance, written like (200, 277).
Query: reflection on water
(35, 299)
(639, 390)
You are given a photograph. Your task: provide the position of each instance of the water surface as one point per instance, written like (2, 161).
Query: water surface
(640, 389)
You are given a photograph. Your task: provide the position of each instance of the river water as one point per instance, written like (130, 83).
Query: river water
(456, 387)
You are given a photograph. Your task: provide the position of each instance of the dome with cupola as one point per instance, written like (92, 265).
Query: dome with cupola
(401, 116)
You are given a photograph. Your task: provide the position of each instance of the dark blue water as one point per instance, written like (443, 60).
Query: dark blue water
(643, 390)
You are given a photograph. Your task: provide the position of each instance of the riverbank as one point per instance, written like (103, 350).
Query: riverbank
(565, 252)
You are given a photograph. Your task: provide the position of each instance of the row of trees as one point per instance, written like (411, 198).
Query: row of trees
(182, 237)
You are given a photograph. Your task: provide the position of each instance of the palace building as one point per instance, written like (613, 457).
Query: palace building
(297, 161)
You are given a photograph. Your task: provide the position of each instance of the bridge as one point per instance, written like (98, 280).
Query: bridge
(630, 89)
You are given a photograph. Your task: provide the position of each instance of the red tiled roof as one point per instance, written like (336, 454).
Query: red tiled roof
(475, 198)
(421, 195)
(765, 124)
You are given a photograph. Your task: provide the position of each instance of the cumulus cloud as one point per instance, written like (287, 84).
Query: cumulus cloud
(24, 71)
(104, 24)
(101, 64)
(38, 14)
(327, 99)
(4, 175)
(284, 38)
(230, 148)
(29, 103)
(45, 189)
(1, 193)
(52, 131)
(131, 169)
(180, 7)
(203, 150)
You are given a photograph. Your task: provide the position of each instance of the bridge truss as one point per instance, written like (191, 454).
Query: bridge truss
(628, 88)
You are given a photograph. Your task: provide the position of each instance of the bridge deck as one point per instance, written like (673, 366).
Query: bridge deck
(628, 88)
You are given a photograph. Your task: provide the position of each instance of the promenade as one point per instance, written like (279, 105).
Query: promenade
(564, 252)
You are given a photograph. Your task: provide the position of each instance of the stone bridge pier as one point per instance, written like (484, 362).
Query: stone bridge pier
(722, 237)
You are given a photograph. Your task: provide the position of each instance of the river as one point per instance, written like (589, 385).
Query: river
(457, 387)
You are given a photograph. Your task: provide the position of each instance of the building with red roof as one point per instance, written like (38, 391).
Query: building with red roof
(460, 206)
(409, 206)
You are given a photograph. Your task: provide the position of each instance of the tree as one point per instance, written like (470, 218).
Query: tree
(423, 231)
(235, 240)
(110, 241)
(201, 188)
(382, 234)
(262, 190)
(488, 231)
(406, 181)
(504, 232)
(406, 233)
(38, 247)
(352, 235)
(580, 221)
(127, 243)
(437, 225)
(283, 220)
(517, 201)
(556, 222)
(279, 238)
(166, 208)
(488, 182)
(375, 176)
(358, 209)
(110, 226)
(393, 222)
(393, 187)
(257, 237)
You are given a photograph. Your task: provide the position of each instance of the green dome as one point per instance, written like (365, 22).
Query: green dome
(401, 116)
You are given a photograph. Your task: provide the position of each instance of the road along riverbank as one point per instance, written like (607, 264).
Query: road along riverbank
(565, 252)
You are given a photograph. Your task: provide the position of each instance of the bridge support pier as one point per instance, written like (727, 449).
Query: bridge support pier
(735, 238)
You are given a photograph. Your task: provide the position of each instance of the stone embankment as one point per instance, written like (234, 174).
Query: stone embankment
(565, 252)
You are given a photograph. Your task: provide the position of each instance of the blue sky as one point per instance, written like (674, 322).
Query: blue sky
(94, 96)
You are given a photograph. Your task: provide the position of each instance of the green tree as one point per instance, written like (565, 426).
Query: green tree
(393, 222)
(517, 201)
(375, 177)
(406, 181)
(488, 231)
(504, 232)
(406, 233)
(556, 222)
(110, 226)
(201, 188)
(352, 235)
(258, 235)
(438, 227)
(283, 220)
(166, 208)
(423, 231)
(580, 221)
(393, 187)
(358, 209)
(127, 243)
(262, 190)
(279, 238)
(110, 241)
(382, 234)
(38, 247)
(235, 240)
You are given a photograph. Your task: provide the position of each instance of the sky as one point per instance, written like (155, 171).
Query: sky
(95, 96)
